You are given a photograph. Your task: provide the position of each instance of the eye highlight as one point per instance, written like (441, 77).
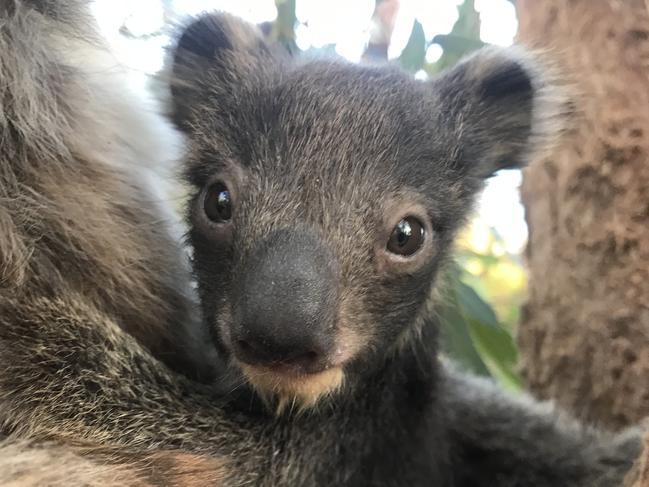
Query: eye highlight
(407, 237)
(218, 203)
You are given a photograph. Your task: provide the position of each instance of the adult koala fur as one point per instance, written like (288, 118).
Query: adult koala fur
(81, 213)
(84, 229)
(274, 148)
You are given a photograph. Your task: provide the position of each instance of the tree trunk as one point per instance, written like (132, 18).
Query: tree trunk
(584, 338)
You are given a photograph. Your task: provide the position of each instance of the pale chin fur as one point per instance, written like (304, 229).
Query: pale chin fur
(294, 394)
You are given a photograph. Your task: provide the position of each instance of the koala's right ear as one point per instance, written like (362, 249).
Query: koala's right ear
(501, 108)
(213, 55)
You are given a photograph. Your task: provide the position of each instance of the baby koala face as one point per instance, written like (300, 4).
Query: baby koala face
(326, 195)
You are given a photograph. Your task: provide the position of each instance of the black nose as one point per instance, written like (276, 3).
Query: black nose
(287, 303)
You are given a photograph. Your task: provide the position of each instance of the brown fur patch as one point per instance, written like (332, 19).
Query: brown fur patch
(300, 391)
(186, 469)
(639, 476)
(24, 464)
(351, 339)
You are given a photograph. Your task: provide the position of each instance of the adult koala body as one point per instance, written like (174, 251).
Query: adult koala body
(344, 336)
(84, 227)
(81, 211)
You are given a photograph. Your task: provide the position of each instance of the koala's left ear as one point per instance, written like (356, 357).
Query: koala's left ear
(501, 107)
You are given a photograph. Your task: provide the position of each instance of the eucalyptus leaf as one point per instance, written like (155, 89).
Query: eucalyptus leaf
(474, 307)
(413, 55)
(498, 351)
(457, 44)
(456, 341)
(463, 38)
(472, 335)
(284, 26)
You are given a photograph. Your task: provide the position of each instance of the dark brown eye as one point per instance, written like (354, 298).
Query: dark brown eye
(218, 203)
(407, 237)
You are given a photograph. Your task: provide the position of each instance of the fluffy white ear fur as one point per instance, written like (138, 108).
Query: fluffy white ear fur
(507, 107)
(118, 106)
(551, 105)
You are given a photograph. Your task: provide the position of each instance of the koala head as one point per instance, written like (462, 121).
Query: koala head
(326, 195)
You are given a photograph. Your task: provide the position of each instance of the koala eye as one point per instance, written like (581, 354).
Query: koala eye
(218, 203)
(407, 237)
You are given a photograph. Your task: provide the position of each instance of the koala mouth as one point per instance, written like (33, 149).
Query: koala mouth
(287, 389)
(301, 383)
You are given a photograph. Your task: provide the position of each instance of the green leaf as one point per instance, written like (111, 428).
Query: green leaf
(463, 38)
(458, 45)
(414, 54)
(498, 351)
(472, 336)
(473, 306)
(455, 338)
(468, 21)
(494, 344)
(284, 26)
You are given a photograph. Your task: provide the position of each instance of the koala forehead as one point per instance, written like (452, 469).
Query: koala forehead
(336, 120)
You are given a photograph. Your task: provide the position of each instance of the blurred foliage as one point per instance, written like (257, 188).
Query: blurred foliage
(284, 26)
(484, 292)
(463, 38)
(413, 56)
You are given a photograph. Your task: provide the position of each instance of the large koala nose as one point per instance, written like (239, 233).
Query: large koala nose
(286, 307)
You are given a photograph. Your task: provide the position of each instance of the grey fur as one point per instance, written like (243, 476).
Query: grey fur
(80, 210)
(69, 369)
(327, 152)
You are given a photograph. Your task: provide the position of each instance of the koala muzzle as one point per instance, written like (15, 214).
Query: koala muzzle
(286, 307)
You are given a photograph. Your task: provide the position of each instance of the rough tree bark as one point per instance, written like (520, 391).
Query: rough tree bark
(585, 334)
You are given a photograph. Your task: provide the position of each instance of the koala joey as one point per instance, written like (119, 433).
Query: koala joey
(325, 200)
